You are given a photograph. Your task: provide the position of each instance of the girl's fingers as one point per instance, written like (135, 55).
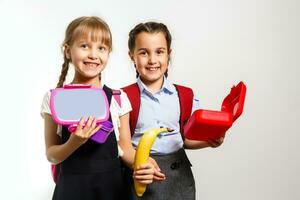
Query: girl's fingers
(93, 127)
(153, 162)
(143, 177)
(85, 129)
(79, 128)
(144, 172)
(221, 140)
(145, 166)
(158, 176)
(88, 123)
(147, 169)
(94, 123)
(211, 143)
(146, 182)
(215, 143)
(95, 130)
(155, 178)
(81, 123)
(88, 127)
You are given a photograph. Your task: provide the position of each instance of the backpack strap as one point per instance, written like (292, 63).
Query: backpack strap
(133, 93)
(186, 96)
(55, 171)
(117, 96)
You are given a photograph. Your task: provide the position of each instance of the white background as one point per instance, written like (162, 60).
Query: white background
(215, 45)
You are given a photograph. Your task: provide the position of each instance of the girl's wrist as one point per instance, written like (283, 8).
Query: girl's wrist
(74, 142)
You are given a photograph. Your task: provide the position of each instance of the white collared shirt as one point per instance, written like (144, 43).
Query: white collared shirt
(161, 109)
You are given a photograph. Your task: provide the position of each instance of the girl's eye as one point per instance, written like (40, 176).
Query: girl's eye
(143, 53)
(102, 49)
(160, 52)
(84, 46)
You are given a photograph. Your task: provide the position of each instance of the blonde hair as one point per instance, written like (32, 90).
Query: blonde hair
(93, 28)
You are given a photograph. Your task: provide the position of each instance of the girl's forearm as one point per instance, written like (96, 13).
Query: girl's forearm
(194, 144)
(125, 141)
(128, 156)
(58, 153)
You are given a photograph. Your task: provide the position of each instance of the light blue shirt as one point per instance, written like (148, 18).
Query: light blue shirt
(161, 109)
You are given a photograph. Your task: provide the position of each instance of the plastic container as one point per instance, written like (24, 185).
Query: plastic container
(206, 125)
(70, 103)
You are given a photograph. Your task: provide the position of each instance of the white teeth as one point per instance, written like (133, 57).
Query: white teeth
(153, 68)
(91, 64)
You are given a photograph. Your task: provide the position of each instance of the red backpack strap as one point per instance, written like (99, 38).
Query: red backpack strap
(186, 96)
(117, 96)
(55, 171)
(133, 93)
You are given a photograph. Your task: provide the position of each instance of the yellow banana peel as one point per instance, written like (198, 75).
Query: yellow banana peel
(143, 152)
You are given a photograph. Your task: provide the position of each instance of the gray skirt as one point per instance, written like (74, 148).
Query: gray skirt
(179, 183)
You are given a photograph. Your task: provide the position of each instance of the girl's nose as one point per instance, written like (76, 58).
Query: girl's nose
(92, 54)
(152, 59)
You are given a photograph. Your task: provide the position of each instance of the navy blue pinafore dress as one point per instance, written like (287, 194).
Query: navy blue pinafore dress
(93, 171)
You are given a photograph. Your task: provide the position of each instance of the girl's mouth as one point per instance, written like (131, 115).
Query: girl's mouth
(152, 68)
(90, 64)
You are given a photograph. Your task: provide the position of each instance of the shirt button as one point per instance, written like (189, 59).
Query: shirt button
(174, 165)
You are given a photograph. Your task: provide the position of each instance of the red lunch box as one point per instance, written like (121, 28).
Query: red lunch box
(206, 125)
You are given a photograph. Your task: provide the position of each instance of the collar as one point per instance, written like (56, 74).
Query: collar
(167, 86)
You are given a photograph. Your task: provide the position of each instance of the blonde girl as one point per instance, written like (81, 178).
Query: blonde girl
(89, 170)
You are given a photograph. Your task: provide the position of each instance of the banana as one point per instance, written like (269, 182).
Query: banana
(143, 152)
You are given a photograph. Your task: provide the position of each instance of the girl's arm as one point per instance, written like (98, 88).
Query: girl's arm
(145, 173)
(57, 152)
(125, 141)
(195, 144)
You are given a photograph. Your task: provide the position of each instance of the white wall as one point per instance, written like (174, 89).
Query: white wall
(216, 44)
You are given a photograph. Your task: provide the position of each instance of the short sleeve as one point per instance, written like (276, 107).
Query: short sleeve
(116, 111)
(196, 104)
(125, 104)
(45, 108)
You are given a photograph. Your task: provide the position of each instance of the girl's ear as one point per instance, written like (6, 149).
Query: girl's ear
(67, 51)
(169, 55)
(131, 56)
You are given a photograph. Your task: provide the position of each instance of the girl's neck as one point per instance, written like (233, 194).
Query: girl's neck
(95, 82)
(153, 86)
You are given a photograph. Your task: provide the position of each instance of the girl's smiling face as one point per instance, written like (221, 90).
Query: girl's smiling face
(151, 56)
(88, 57)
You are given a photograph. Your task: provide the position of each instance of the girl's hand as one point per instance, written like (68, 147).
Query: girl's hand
(84, 131)
(144, 173)
(215, 143)
(158, 175)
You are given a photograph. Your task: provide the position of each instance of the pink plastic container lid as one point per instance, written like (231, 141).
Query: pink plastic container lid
(70, 103)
